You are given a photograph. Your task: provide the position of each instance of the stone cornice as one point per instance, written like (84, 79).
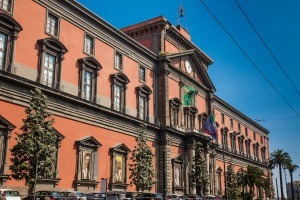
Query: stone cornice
(221, 105)
(81, 17)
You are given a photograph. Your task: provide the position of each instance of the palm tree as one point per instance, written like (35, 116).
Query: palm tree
(292, 168)
(251, 177)
(279, 159)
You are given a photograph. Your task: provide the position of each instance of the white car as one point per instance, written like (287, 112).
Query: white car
(10, 194)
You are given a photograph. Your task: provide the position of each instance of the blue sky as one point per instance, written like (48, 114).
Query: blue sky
(237, 81)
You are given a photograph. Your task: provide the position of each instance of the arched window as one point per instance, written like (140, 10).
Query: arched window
(9, 29)
(88, 73)
(143, 94)
(119, 85)
(51, 56)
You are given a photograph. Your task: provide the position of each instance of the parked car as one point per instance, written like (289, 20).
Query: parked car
(9, 194)
(46, 195)
(74, 195)
(175, 197)
(193, 197)
(95, 196)
(149, 196)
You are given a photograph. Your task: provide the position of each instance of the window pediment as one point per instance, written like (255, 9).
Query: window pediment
(144, 89)
(178, 159)
(92, 62)
(121, 148)
(90, 142)
(10, 22)
(175, 101)
(224, 130)
(5, 124)
(53, 44)
(191, 109)
(120, 77)
(58, 134)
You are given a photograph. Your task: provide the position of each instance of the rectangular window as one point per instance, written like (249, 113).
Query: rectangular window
(231, 123)
(142, 74)
(142, 107)
(246, 131)
(87, 85)
(223, 119)
(118, 61)
(49, 68)
(6, 5)
(117, 97)
(254, 136)
(52, 25)
(89, 45)
(2, 49)
(239, 127)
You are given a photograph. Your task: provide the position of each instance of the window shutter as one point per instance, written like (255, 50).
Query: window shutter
(95, 155)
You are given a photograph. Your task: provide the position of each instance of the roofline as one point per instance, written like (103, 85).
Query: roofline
(239, 113)
(110, 27)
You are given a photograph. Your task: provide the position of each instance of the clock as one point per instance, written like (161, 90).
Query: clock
(188, 66)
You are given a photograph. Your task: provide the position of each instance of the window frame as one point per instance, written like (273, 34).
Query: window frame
(57, 49)
(175, 110)
(10, 28)
(93, 45)
(87, 145)
(92, 66)
(142, 79)
(120, 80)
(10, 5)
(189, 116)
(179, 162)
(115, 61)
(58, 24)
(202, 118)
(144, 92)
(122, 151)
(222, 118)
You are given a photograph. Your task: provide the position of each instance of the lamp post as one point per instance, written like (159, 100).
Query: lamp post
(277, 189)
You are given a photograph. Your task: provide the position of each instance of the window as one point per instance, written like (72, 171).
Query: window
(6, 5)
(223, 118)
(177, 165)
(89, 69)
(118, 61)
(231, 123)
(87, 162)
(189, 116)
(175, 104)
(241, 145)
(119, 83)
(142, 74)
(5, 132)
(224, 134)
(52, 26)
(239, 127)
(219, 180)
(89, 45)
(3, 41)
(119, 155)
(254, 135)
(50, 62)
(246, 131)
(143, 102)
(202, 117)
(261, 139)
(9, 29)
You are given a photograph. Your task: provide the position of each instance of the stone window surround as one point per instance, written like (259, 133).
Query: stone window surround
(56, 48)
(178, 160)
(93, 66)
(121, 80)
(58, 24)
(10, 27)
(143, 91)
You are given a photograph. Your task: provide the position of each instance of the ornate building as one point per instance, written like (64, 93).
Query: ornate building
(102, 83)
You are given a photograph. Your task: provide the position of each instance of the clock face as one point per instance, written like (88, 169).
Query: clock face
(188, 66)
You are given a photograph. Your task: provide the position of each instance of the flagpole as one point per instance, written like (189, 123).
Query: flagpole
(225, 179)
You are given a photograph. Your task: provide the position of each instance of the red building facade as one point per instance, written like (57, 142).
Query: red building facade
(102, 83)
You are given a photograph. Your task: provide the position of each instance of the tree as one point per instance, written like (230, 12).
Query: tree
(32, 156)
(199, 176)
(142, 170)
(292, 168)
(279, 159)
(252, 176)
(232, 187)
